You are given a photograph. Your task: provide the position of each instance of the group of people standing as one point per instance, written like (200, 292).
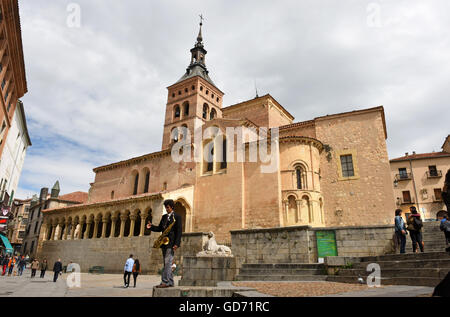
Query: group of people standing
(414, 226)
(35, 265)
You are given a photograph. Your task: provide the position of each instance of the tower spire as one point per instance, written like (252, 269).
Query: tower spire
(200, 37)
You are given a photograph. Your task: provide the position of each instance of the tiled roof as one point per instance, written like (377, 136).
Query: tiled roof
(421, 156)
(79, 197)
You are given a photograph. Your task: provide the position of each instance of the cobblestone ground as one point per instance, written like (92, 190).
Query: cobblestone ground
(302, 289)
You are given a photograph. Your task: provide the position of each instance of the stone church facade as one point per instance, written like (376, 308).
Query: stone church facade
(329, 171)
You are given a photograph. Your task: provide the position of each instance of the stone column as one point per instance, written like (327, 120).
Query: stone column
(45, 229)
(80, 232)
(132, 223)
(143, 224)
(96, 222)
(123, 219)
(105, 224)
(113, 226)
(286, 212)
(88, 229)
(72, 232)
(299, 210)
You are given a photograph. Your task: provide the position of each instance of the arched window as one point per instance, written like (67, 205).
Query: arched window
(186, 108)
(205, 111)
(212, 115)
(174, 135)
(300, 177)
(209, 157)
(183, 131)
(147, 182)
(136, 182)
(112, 195)
(177, 112)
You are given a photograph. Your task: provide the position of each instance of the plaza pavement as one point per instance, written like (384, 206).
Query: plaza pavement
(111, 285)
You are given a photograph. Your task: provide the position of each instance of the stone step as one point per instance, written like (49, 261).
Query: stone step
(251, 271)
(281, 277)
(416, 272)
(407, 256)
(407, 264)
(282, 266)
(412, 281)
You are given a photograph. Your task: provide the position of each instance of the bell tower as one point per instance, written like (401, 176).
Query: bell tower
(193, 99)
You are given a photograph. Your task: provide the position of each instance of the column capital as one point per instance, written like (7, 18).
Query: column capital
(123, 217)
(133, 217)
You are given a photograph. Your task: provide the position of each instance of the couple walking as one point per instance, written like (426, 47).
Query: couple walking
(131, 267)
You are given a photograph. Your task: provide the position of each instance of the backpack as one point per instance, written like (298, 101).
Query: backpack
(417, 223)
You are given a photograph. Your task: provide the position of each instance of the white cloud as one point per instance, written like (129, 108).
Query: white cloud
(98, 92)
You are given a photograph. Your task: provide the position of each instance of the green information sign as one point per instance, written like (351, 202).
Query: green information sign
(326, 243)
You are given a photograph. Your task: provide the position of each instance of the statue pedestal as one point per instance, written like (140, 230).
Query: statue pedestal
(208, 270)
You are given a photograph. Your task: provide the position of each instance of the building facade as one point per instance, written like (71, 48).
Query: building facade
(35, 216)
(14, 151)
(328, 171)
(12, 67)
(418, 180)
(18, 221)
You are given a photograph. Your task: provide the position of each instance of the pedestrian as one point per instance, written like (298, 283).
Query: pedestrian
(400, 230)
(446, 191)
(445, 227)
(5, 264)
(43, 267)
(57, 269)
(22, 264)
(170, 222)
(11, 264)
(34, 267)
(128, 269)
(414, 226)
(136, 271)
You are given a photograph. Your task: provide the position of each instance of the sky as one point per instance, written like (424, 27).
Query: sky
(97, 71)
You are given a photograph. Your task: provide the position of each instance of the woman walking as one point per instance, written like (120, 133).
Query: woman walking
(415, 229)
(136, 270)
(43, 267)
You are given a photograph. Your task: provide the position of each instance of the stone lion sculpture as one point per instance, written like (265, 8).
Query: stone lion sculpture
(212, 248)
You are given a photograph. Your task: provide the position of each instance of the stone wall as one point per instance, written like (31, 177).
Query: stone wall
(298, 244)
(112, 253)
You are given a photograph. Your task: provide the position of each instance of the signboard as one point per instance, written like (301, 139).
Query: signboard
(326, 243)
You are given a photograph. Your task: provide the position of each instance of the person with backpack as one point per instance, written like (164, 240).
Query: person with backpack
(445, 227)
(414, 226)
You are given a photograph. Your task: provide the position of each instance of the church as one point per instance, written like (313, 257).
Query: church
(330, 171)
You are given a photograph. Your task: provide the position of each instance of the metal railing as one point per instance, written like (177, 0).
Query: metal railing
(402, 201)
(434, 174)
(437, 199)
(403, 177)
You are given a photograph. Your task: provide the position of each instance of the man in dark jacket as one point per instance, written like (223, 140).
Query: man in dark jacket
(446, 191)
(57, 269)
(174, 236)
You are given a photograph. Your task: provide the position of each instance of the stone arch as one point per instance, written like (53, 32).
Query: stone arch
(99, 228)
(145, 183)
(116, 232)
(174, 135)
(126, 231)
(205, 111)
(300, 175)
(134, 180)
(91, 219)
(176, 112)
(306, 202)
(186, 109)
(137, 224)
(149, 218)
(183, 208)
(212, 114)
(292, 216)
(440, 214)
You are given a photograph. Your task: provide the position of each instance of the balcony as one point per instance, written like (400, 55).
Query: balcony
(403, 177)
(437, 199)
(402, 201)
(434, 174)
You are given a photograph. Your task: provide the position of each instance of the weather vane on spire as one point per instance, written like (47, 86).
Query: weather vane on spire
(201, 19)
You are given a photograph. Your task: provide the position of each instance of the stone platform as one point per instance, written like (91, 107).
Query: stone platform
(208, 270)
(201, 291)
